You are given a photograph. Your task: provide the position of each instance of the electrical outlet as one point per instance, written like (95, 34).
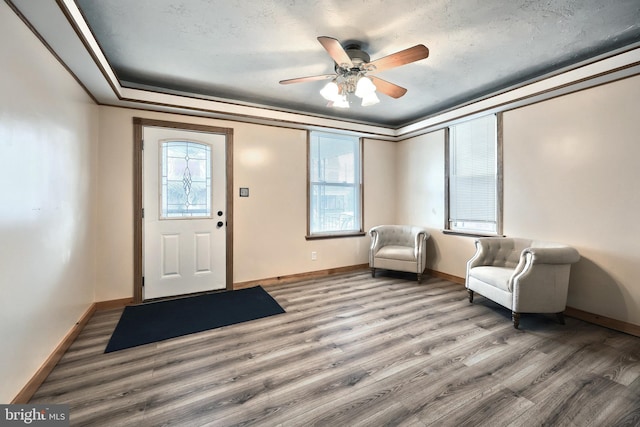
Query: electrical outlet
(314, 256)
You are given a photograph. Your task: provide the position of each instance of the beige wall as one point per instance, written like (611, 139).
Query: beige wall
(269, 226)
(48, 147)
(571, 175)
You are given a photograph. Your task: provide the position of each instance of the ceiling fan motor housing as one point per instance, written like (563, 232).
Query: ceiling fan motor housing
(358, 57)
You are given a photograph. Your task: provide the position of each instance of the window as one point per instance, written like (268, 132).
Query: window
(474, 171)
(335, 184)
(185, 179)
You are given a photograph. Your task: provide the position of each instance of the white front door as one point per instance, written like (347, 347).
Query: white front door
(184, 200)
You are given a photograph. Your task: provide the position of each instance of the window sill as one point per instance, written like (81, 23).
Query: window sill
(470, 234)
(335, 235)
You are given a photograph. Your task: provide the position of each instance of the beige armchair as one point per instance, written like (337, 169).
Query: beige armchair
(399, 248)
(525, 276)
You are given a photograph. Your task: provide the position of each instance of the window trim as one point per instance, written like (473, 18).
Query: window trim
(335, 234)
(499, 183)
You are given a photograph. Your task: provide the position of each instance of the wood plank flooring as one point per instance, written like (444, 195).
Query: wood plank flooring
(358, 351)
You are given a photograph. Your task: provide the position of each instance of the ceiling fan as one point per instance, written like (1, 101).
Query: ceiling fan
(354, 69)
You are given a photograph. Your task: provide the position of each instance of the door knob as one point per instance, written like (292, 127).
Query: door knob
(219, 224)
(219, 213)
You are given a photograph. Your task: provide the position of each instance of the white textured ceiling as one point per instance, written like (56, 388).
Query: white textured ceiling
(238, 51)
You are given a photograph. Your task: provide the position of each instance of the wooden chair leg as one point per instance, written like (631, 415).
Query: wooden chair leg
(560, 317)
(470, 292)
(516, 319)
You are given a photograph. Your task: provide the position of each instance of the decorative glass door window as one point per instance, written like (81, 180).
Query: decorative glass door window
(185, 189)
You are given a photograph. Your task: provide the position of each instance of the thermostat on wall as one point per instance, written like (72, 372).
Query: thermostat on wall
(244, 192)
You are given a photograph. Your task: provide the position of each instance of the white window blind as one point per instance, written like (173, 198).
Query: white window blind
(473, 176)
(335, 198)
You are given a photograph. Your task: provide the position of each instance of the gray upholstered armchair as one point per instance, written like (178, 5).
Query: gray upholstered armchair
(399, 248)
(525, 276)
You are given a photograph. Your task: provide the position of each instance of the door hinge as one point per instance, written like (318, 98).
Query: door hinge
(142, 144)
(142, 212)
(143, 281)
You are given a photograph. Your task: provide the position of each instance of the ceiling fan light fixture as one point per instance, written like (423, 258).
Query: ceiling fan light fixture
(370, 99)
(338, 90)
(341, 101)
(330, 91)
(365, 87)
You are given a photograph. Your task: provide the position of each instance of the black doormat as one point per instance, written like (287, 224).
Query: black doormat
(157, 321)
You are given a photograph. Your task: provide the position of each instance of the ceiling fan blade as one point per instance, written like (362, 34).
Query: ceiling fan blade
(403, 57)
(307, 79)
(387, 88)
(335, 50)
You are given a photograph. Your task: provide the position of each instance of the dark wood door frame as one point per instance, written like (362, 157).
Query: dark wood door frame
(138, 246)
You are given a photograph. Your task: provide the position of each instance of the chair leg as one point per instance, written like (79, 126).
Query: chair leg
(373, 272)
(470, 292)
(419, 278)
(560, 317)
(516, 319)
